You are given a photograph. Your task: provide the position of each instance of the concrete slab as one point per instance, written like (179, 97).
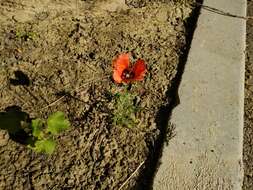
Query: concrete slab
(206, 152)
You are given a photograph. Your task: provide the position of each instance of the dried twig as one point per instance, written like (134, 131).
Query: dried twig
(77, 90)
(130, 177)
(91, 81)
(54, 102)
(30, 93)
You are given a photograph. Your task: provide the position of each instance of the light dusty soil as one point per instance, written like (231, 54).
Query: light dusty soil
(64, 52)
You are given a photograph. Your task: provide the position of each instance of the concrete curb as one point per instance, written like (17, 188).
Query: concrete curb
(206, 152)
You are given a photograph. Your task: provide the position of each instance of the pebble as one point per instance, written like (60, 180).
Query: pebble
(250, 81)
(4, 138)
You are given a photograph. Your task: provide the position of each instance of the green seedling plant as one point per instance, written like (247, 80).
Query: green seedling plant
(125, 110)
(26, 35)
(43, 132)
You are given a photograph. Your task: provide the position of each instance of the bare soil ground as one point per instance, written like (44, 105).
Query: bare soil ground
(57, 56)
(248, 110)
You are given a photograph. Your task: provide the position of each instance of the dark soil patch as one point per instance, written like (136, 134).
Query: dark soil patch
(248, 110)
(57, 56)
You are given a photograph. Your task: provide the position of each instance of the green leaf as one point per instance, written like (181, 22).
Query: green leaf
(47, 146)
(37, 125)
(57, 123)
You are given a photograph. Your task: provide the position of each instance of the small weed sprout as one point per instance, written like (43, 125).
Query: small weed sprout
(125, 111)
(25, 35)
(43, 132)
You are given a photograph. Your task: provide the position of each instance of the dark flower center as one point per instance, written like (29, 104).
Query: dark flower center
(127, 74)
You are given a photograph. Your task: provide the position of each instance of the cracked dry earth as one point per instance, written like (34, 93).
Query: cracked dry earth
(65, 50)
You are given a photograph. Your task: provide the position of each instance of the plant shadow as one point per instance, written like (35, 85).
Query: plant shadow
(21, 79)
(167, 130)
(15, 121)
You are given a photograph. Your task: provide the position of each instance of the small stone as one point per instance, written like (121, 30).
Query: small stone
(85, 96)
(4, 138)
(251, 88)
(250, 81)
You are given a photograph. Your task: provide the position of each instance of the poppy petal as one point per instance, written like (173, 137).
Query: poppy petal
(119, 65)
(139, 69)
(117, 77)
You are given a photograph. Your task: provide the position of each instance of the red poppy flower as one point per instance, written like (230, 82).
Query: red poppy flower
(124, 73)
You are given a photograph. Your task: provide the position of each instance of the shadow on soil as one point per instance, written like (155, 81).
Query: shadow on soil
(145, 182)
(13, 119)
(21, 79)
